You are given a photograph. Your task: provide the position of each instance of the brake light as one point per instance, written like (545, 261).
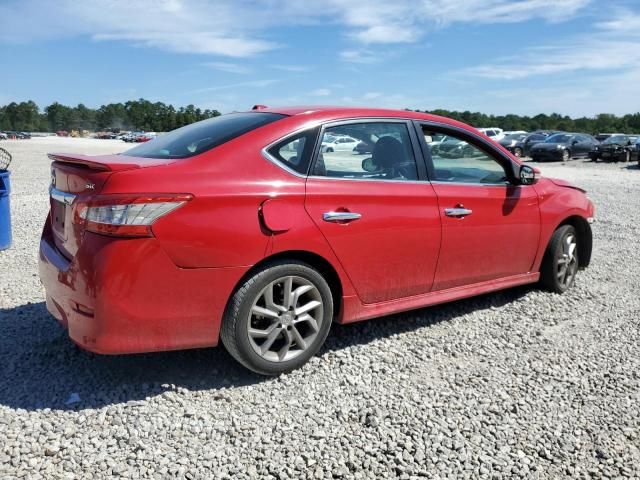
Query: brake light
(126, 215)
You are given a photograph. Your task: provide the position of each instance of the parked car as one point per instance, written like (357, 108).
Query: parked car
(453, 147)
(240, 228)
(364, 146)
(563, 146)
(3, 136)
(343, 143)
(514, 132)
(145, 137)
(513, 143)
(617, 147)
(494, 133)
(601, 137)
(131, 136)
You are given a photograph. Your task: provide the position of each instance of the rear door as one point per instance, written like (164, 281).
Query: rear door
(378, 212)
(490, 227)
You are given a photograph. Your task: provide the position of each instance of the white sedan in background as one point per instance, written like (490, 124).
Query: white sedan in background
(339, 144)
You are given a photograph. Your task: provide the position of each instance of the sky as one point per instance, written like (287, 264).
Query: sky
(573, 57)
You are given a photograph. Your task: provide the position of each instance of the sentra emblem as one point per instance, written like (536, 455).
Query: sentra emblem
(90, 186)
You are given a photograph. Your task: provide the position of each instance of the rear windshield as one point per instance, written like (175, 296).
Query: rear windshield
(202, 136)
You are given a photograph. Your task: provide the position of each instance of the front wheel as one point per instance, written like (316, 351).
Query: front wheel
(329, 150)
(560, 263)
(517, 152)
(278, 318)
(566, 155)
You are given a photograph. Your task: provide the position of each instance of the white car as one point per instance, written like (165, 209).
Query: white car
(339, 144)
(494, 133)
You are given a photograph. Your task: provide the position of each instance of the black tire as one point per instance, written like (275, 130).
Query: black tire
(234, 331)
(551, 268)
(330, 150)
(517, 152)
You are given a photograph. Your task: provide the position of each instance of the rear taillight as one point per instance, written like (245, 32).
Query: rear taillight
(126, 215)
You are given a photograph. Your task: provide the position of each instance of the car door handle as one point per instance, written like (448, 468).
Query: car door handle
(457, 212)
(340, 217)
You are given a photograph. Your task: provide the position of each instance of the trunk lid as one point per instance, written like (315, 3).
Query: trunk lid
(77, 178)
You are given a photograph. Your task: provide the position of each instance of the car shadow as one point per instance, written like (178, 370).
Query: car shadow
(632, 166)
(41, 368)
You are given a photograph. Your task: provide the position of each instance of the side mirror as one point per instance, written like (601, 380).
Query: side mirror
(575, 142)
(529, 175)
(368, 165)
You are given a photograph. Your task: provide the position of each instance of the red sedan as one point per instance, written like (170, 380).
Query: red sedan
(241, 228)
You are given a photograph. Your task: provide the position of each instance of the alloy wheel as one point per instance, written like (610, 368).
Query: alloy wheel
(568, 262)
(285, 318)
(565, 155)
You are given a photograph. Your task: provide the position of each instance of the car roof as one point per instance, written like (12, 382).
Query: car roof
(328, 112)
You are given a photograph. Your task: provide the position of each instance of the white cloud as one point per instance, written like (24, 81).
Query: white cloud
(245, 28)
(251, 84)
(611, 46)
(321, 92)
(228, 67)
(360, 56)
(293, 68)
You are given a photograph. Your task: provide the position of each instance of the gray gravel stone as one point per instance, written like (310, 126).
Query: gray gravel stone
(518, 384)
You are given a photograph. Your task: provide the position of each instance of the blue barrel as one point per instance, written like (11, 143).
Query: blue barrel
(5, 211)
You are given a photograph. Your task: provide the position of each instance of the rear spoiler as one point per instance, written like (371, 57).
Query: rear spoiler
(108, 163)
(79, 160)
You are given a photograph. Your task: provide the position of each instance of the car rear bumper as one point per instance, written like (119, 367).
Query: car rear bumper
(127, 296)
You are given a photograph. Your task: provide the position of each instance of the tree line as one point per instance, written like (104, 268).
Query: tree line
(157, 116)
(132, 115)
(604, 122)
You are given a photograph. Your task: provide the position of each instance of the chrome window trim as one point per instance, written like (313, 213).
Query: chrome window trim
(60, 196)
(265, 150)
(320, 177)
(477, 184)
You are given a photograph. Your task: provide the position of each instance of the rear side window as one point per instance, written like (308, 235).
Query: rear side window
(295, 152)
(202, 136)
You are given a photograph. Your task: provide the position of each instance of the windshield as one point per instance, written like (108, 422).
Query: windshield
(559, 138)
(616, 139)
(202, 136)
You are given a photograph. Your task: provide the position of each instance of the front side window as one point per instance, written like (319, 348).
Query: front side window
(458, 161)
(202, 136)
(372, 150)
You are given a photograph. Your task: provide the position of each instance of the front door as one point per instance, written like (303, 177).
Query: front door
(490, 227)
(378, 212)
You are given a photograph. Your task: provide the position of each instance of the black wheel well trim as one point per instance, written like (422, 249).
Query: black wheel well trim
(585, 237)
(314, 260)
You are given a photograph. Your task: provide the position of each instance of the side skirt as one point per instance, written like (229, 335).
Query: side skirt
(354, 310)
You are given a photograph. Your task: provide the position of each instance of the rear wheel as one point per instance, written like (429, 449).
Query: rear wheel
(278, 318)
(560, 262)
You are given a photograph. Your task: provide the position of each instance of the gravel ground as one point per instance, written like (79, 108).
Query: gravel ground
(520, 383)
